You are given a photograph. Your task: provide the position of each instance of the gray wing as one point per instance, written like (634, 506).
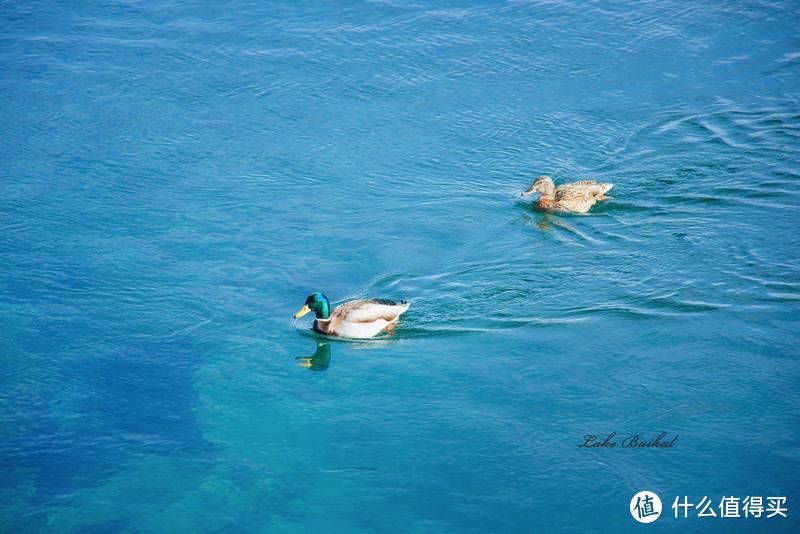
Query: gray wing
(370, 310)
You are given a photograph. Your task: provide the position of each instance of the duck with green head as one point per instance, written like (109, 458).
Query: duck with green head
(353, 319)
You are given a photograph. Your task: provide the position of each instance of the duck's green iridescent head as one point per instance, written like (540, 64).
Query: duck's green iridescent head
(318, 303)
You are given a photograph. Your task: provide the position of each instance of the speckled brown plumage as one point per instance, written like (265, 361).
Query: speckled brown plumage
(576, 197)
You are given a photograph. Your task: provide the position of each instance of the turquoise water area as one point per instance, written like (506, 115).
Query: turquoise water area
(176, 177)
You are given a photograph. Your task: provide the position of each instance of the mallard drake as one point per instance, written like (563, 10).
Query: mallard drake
(354, 319)
(577, 197)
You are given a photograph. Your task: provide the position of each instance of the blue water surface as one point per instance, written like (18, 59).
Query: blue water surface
(176, 177)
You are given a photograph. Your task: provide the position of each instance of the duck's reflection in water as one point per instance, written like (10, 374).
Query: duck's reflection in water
(542, 218)
(547, 219)
(320, 360)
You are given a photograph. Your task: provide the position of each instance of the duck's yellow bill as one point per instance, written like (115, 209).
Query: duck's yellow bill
(304, 310)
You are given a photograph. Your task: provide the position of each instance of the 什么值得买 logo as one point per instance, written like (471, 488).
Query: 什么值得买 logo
(645, 507)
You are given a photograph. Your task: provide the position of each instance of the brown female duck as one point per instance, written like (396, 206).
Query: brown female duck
(576, 197)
